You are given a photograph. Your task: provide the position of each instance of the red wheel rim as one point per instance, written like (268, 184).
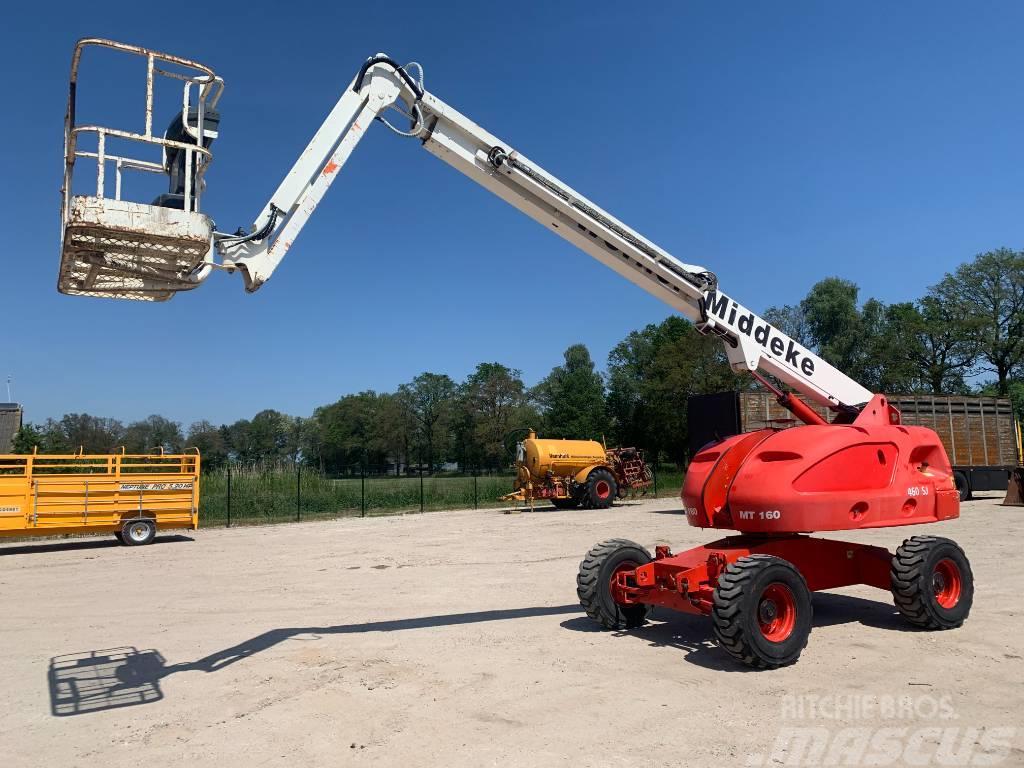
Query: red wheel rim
(617, 594)
(776, 612)
(602, 489)
(947, 584)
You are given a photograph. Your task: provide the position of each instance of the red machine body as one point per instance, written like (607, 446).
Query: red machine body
(775, 486)
(871, 473)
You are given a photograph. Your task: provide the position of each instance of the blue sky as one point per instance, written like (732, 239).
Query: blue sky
(774, 143)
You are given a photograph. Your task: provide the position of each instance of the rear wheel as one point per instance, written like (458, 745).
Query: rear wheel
(601, 489)
(596, 583)
(136, 533)
(761, 611)
(963, 487)
(932, 583)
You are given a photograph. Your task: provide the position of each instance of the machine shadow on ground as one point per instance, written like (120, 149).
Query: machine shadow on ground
(547, 508)
(100, 680)
(81, 544)
(95, 681)
(692, 634)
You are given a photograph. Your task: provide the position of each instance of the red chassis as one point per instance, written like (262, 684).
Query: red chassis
(686, 582)
(775, 487)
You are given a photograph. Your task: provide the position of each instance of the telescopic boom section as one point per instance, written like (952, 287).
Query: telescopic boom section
(752, 344)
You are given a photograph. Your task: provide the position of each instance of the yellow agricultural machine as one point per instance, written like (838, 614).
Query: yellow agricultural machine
(574, 473)
(131, 496)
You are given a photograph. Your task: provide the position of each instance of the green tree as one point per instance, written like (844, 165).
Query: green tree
(429, 400)
(839, 331)
(269, 436)
(1016, 394)
(791, 320)
(868, 342)
(928, 346)
(274, 436)
(240, 443)
(153, 433)
(27, 439)
(491, 402)
(210, 442)
(71, 433)
(988, 293)
(397, 430)
(54, 438)
(91, 434)
(1014, 391)
(347, 433)
(651, 375)
(571, 398)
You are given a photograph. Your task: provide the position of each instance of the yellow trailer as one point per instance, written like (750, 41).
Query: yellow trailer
(132, 496)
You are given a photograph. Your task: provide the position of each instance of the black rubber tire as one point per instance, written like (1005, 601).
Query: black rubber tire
(737, 603)
(597, 480)
(593, 584)
(962, 486)
(915, 568)
(138, 533)
(569, 503)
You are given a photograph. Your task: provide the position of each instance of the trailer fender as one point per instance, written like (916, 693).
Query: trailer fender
(581, 476)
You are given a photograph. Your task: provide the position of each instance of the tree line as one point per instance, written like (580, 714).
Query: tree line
(969, 325)
(964, 335)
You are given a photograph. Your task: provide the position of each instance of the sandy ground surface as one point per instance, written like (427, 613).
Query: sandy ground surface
(454, 638)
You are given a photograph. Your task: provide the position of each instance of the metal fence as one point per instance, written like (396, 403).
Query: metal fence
(238, 495)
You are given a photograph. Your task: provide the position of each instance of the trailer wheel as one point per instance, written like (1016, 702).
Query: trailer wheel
(962, 486)
(932, 583)
(595, 583)
(567, 503)
(136, 533)
(761, 611)
(601, 489)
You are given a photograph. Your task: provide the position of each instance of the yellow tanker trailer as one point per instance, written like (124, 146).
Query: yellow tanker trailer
(572, 473)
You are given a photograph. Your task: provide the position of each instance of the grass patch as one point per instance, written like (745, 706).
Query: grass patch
(280, 494)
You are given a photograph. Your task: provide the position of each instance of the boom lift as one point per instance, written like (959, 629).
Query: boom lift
(864, 469)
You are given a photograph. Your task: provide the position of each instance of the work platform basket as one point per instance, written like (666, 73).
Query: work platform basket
(118, 248)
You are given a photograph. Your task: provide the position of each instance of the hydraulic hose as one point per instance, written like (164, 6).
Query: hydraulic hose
(381, 58)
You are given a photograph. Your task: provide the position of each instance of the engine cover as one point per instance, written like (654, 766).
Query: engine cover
(873, 473)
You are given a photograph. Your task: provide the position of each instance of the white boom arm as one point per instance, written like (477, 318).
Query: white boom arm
(752, 343)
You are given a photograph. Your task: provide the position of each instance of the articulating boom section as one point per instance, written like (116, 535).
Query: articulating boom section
(752, 343)
(121, 249)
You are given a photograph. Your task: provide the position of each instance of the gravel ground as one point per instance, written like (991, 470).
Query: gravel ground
(454, 638)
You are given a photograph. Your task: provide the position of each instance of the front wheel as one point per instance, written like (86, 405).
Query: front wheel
(932, 583)
(136, 533)
(761, 611)
(596, 583)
